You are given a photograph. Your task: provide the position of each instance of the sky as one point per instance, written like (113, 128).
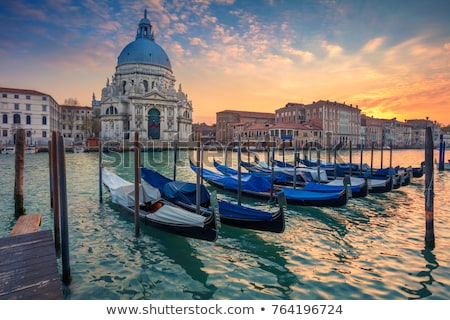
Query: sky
(389, 58)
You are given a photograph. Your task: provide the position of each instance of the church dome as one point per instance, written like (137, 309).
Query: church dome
(144, 49)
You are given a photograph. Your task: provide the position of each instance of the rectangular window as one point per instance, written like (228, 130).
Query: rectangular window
(16, 106)
(16, 96)
(44, 134)
(28, 107)
(5, 132)
(28, 97)
(44, 98)
(5, 118)
(4, 95)
(28, 119)
(44, 108)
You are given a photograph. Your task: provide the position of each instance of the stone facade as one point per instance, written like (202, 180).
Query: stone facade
(141, 96)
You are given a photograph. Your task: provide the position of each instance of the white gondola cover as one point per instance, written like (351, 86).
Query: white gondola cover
(122, 193)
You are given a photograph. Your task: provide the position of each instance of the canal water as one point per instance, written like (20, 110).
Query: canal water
(371, 249)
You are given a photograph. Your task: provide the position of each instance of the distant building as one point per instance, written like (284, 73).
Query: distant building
(76, 122)
(203, 132)
(231, 122)
(340, 123)
(141, 96)
(35, 112)
(418, 131)
(322, 122)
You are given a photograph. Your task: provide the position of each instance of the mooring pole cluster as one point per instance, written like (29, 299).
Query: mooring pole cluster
(59, 201)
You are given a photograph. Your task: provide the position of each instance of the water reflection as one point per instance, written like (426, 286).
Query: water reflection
(174, 249)
(424, 291)
(248, 249)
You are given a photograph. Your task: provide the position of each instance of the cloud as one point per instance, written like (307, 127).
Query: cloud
(333, 50)
(373, 44)
(198, 42)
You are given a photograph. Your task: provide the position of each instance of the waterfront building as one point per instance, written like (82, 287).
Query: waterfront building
(77, 123)
(297, 134)
(203, 132)
(323, 122)
(141, 96)
(229, 123)
(418, 128)
(340, 123)
(35, 112)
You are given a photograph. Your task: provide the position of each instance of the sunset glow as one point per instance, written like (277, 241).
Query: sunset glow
(391, 58)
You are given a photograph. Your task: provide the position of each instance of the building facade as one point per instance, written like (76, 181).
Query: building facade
(230, 123)
(76, 123)
(35, 112)
(141, 96)
(323, 122)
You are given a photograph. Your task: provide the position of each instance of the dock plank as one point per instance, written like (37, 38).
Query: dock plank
(27, 223)
(28, 267)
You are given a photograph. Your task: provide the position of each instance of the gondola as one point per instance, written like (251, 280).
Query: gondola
(184, 194)
(358, 186)
(160, 212)
(259, 187)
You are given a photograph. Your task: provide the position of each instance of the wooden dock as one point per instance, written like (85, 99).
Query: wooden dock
(28, 267)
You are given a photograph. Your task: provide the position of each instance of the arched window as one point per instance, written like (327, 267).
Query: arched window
(111, 110)
(146, 85)
(16, 118)
(154, 124)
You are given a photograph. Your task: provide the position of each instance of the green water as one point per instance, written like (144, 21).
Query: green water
(371, 249)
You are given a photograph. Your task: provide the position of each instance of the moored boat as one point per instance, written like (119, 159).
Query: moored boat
(259, 187)
(357, 186)
(160, 212)
(8, 150)
(184, 194)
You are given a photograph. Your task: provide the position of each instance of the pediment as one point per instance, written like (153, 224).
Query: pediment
(110, 100)
(154, 96)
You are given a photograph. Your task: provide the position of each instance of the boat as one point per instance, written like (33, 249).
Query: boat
(31, 149)
(417, 172)
(358, 186)
(446, 165)
(377, 181)
(260, 187)
(78, 149)
(9, 150)
(184, 194)
(308, 172)
(159, 212)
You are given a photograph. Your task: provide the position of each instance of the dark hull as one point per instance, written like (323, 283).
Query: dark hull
(382, 189)
(277, 224)
(363, 191)
(209, 231)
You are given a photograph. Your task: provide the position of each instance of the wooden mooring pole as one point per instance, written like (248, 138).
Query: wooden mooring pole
(19, 209)
(66, 277)
(100, 174)
(441, 153)
(429, 190)
(54, 163)
(198, 174)
(137, 182)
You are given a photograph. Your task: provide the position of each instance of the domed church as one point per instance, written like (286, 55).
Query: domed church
(141, 96)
